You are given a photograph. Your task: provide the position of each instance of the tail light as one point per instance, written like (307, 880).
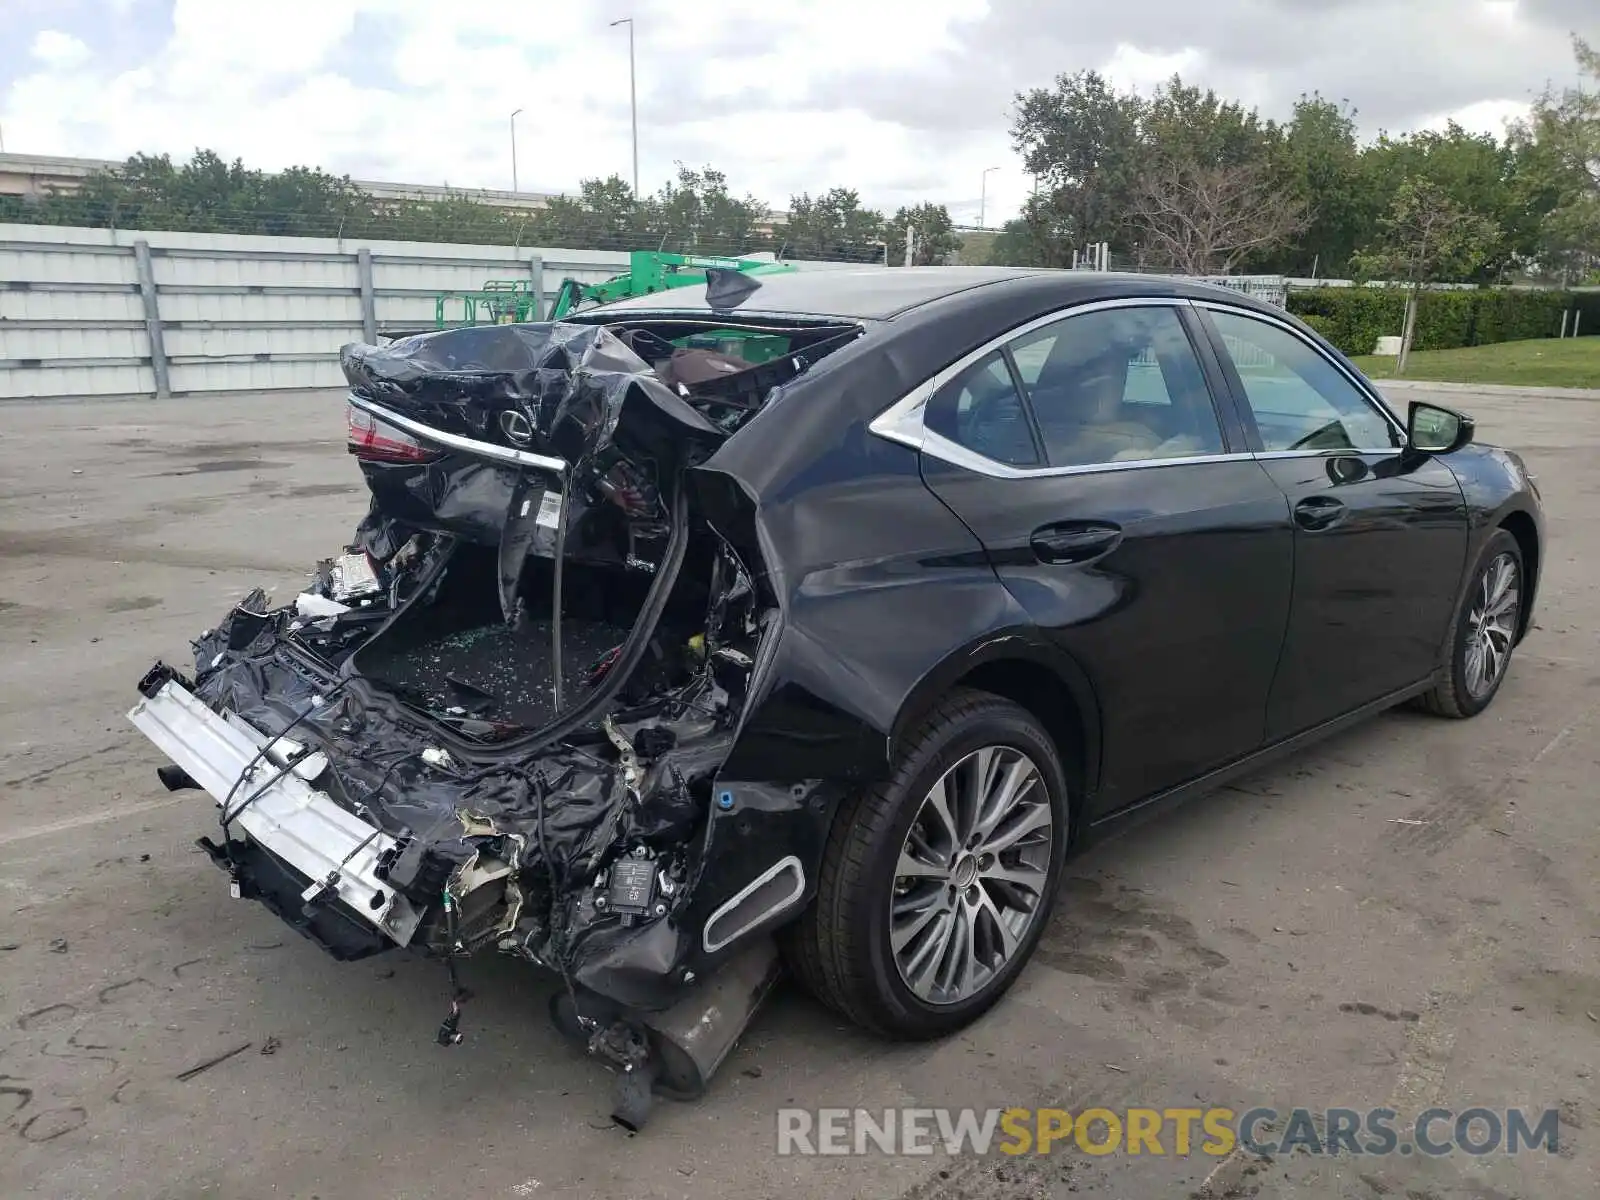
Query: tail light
(372, 440)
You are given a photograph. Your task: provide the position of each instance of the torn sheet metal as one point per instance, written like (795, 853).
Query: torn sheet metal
(571, 395)
(408, 675)
(569, 391)
(558, 819)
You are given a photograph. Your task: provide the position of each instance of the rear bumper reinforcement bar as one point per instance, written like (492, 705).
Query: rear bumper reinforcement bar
(335, 849)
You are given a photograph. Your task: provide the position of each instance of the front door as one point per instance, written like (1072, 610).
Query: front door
(1380, 539)
(1115, 512)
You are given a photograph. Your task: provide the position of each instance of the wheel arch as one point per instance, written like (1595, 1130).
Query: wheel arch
(1040, 678)
(1525, 530)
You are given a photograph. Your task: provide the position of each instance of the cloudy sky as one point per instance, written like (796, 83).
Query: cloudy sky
(905, 100)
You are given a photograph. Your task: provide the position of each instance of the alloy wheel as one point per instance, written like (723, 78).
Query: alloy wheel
(1492, 624)
(971, 875)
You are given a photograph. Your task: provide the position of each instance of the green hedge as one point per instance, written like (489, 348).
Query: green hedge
(1354, 318)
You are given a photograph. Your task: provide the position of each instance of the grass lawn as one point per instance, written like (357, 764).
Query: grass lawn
(1541, 362)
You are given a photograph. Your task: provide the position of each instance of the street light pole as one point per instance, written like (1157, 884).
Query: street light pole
(514, 187)
(983, 194)
(633, 103)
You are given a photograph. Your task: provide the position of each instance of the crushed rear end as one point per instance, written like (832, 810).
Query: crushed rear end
(496, 720)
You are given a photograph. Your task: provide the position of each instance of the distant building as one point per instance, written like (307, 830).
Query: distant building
(48, 174)
(45, 174)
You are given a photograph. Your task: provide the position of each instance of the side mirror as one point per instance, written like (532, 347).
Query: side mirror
(1432, 429)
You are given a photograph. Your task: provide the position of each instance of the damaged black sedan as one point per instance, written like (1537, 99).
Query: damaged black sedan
(839, 606)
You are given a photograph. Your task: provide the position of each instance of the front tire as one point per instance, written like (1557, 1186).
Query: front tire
(1483, 632)
(935, 885)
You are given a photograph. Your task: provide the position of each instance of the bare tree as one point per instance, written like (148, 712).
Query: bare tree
(1198, 219)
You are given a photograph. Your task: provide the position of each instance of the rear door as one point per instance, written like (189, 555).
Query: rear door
(1380, 540)
(1152, 548)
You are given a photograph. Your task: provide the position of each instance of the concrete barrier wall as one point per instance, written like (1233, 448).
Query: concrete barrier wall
(101, 312)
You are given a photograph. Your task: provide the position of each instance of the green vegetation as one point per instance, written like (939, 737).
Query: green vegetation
(1189, 181)
(1543, 362)
(1354, 318)
(692, 213)
(1182, 180)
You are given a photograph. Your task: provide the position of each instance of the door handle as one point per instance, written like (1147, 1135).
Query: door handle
(1073, 541)
(1318, 512)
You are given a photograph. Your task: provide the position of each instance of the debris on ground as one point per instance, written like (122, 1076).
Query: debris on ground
(190, 1073)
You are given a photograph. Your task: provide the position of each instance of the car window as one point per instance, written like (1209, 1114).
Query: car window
(981, 410)
(1116, 385)
(1300, 400)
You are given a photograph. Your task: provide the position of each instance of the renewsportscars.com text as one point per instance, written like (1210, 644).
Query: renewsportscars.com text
(1165, 1131)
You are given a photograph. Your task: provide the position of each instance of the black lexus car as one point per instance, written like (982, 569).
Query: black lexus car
(841, 605)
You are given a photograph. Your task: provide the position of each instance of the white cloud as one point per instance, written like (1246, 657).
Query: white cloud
(59, 50)
(1486, 116)
(1137, 70)
(904, 100)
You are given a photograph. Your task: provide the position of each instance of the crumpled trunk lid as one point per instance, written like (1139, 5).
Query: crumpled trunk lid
(530, 403)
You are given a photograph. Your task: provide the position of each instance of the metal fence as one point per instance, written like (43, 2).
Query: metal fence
(1270, 289)
(99, 312)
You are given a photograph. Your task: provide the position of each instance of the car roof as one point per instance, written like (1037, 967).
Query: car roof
(860, 293)
(884, 293)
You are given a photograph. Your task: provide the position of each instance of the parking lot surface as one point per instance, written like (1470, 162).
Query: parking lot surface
(1403, 917)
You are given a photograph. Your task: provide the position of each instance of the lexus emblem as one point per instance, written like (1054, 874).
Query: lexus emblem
(517, 428)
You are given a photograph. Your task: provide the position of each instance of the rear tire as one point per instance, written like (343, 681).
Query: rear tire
(1483, 632)
(888, 880)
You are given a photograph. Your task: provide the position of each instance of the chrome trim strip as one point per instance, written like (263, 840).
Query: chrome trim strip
(453, 441)
(296, 822)
(790, 864)
(1331, 452)
(902, 421)
(945, 450)
(1060, 314)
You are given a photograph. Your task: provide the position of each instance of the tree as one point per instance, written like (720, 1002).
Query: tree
(933, 242)
(1426, 237)
(1083, 143)
(696, 212)
(604, 216)
(1320, 159)
(208, 194)
(1558, 148)
(1183, 123)
(1473, 171)
(832, 226)
(1116, 168)
(1041, 237)
(1200, 219)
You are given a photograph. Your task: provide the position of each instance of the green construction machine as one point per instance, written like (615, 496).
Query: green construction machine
(512, 301)
(655, 271)
(497, 302)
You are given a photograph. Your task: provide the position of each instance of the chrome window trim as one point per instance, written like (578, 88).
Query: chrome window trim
(902, 421)
(1265, 455)
(945, 450)
(1363, 388)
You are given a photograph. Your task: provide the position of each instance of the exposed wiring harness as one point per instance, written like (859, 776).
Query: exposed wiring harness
(226, 816)
(450, 1028)
(558, 889)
